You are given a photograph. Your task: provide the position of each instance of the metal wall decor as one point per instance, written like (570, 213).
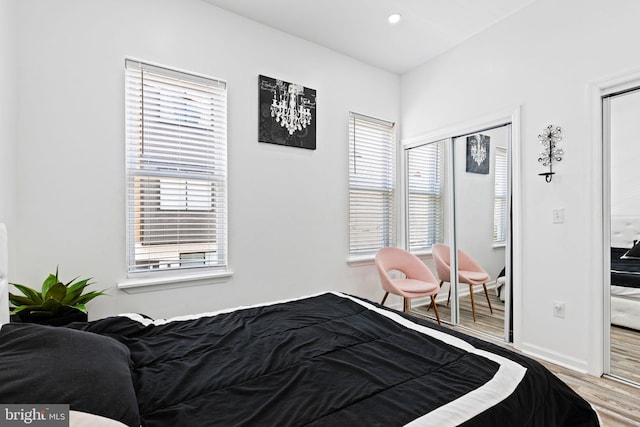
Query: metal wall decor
(287, 113)
(549, 137)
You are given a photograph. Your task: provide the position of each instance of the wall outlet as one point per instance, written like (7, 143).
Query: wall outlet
(558, 215)
(558, 309)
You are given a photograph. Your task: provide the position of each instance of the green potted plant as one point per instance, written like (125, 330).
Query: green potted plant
(56, 304)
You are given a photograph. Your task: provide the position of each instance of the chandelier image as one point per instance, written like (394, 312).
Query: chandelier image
(478, 151)
(289, 110)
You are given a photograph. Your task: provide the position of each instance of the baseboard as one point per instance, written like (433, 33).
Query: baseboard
(572, 363)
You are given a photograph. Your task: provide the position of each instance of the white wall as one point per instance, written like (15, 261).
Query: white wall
(287, 207)
(543, 59)
(8, 122)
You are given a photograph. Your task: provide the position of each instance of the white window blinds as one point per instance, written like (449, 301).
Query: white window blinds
(424, 196)
(500, 197)
(176, 142)
(371, 185)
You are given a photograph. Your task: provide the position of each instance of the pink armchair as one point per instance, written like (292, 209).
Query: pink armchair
(418, 281)
(469, 271)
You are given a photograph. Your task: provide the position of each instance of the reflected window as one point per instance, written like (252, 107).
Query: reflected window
(425, 210)
(500, 196)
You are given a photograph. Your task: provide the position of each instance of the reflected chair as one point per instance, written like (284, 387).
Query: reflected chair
(469, 272)
(418, 280)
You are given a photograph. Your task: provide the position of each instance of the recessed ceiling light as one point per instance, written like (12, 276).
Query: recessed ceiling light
(394, 18)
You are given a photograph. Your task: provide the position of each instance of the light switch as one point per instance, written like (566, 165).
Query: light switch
(558, 215)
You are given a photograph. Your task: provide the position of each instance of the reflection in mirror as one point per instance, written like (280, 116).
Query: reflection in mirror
(426, 203)
(625, 232)
(481, 207)
(425, 196)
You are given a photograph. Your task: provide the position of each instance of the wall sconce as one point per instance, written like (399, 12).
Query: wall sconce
(549, 137)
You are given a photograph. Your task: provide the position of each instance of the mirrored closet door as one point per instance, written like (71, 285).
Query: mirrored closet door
(457, 216)
(481, 228)
(621, 129)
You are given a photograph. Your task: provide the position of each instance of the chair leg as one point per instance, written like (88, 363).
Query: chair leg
(384, 298)
(435, 308)
(473, 304)
(484, 285)
(406, 305)
(449, 294)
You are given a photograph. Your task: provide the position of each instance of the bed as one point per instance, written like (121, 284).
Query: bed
(625, 272)
(329, 359)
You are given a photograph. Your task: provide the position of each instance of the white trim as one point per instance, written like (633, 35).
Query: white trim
(463, 128)
(560, 359)
(157, 282)
(354, 261)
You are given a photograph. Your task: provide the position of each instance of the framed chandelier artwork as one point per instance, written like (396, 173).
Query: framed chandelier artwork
(478, 154)
(287, 113)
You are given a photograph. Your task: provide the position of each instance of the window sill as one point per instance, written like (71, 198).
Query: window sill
(158, 283)
(356, 261)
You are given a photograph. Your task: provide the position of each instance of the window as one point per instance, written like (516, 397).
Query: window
(176, 169)
(424, 196)
(500, 197)
(371, 185)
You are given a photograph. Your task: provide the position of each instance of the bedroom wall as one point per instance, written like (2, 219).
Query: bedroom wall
(542, 59)
(287, 207)
(8, 122)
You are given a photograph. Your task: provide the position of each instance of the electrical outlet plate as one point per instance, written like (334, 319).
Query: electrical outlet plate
(558, 216)
(558, 309)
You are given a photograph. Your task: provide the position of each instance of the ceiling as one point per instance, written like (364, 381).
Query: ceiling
(359, 28)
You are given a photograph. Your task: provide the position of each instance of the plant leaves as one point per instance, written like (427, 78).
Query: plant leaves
(49, 282)
(51, 305)
(81, 307)
(18, 309)
(72, 295)
(57, 292)
(78, 285)
(18, 300)
(83, 299)
(33, 295)
(55, 299)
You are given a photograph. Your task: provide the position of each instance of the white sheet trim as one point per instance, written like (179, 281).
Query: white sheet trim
(624, 291)
(157, 322)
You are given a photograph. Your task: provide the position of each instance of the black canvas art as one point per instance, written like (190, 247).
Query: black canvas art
(478, 154)
(287, 113)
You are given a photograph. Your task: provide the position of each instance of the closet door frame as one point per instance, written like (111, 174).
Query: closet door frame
(513, 249)
(606, 94)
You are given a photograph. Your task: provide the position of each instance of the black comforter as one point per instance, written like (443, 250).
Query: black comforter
(624, 271)
(332, 360)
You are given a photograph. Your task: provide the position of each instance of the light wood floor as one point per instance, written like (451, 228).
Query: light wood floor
(617, 403)
(625, 353)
